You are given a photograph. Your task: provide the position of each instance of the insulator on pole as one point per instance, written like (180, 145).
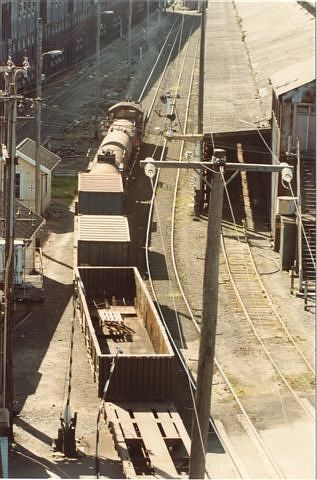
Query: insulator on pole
(287, 174)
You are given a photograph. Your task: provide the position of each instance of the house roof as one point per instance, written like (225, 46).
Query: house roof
(27, 222)
(48, 159)
(294, 76)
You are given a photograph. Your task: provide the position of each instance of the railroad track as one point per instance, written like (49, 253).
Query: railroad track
(183, 325)
(113, 65)
(252, 292)
(268, 327)
(170, 302)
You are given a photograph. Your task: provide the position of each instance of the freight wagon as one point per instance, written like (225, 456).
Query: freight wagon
(116, 311)
(103, 240)
(100, 194)
(118, 318)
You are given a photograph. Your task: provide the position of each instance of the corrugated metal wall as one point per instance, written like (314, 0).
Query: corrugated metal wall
(136, 377)
(103, 253)
(100, 203)
(146, 378)
(117, 282)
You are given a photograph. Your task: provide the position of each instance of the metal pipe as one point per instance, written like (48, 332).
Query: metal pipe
(129, 37)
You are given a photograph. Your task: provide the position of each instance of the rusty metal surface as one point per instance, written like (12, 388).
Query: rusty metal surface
(146, 375)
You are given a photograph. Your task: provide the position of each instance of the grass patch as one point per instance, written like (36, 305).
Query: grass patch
(64, 187)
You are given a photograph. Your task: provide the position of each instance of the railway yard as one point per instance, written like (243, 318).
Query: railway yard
(263, 393)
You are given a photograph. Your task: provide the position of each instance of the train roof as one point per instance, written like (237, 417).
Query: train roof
(126, 104)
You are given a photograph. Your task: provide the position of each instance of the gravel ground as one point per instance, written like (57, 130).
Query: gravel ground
(283, 427)
(42, 341)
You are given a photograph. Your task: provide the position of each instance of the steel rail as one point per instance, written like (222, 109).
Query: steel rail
(253, 327)
(276, 470)
(151, 281)
(76, 84)
(172, 244)
(276, 313)
(157, 89)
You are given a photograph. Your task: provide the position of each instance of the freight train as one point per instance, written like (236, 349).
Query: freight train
(103, 229)
(122, 329)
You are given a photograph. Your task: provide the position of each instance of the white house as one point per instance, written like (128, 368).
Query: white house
(26, 174)
(28, 268)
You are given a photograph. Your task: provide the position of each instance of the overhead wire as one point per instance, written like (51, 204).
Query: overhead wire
(174, 263)
(153, 203)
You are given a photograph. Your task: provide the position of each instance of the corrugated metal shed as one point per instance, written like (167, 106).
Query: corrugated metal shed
(229, 90)
(103, 228)
(246, 43)
(277, 35)
(294, 76)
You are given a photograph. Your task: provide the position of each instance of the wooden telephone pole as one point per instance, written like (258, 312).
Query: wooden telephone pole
(10, 98)
(210, 287)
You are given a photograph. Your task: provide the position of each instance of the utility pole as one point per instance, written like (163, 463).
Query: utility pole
(129, 38)
(10, 97)
(39, 67)
(210, 289)
(98, 28)
(147, 19)
(199, 193)
(208, 324)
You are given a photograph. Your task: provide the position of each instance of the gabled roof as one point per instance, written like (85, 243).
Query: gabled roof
(294, 76)
(48, 159)
(27, 222)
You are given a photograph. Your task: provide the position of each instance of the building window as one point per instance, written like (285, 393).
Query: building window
(17, 185)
